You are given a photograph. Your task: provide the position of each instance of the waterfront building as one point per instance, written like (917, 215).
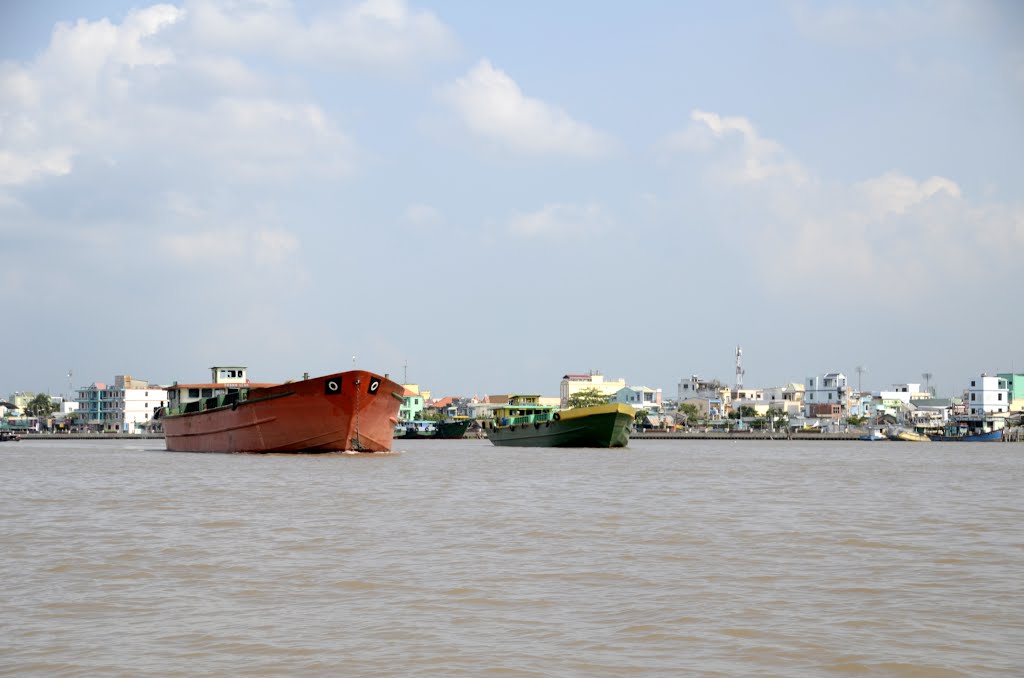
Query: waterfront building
(712, 398)
(125, 407)
(20, 399)
(988, 395)
(933, 413)
(640, 397)
(412, 403)
(1015, 387)
(574, 383)
(827, 395)
(862, 405)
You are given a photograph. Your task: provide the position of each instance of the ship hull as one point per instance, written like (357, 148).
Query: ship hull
(452, 430)
(600, 426)
(349, 411)
(989, 437)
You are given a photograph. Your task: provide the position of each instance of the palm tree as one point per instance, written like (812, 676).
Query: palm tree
(40, 406)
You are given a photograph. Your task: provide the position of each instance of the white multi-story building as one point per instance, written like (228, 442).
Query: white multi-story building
(573, 383)
(827, 395)
(905, 393)
(640, 397)
(788, 399)
(126, 407)
(987, 395)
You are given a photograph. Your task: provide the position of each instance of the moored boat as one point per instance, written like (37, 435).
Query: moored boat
(908, 436)
(986, 437)
(523, 422)
(415, 429)
(874, 433)
(453, 429)
(449, 429)
(348, 411)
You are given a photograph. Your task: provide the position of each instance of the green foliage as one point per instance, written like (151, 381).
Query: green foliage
(690, 412)
(587, 397)
(745, 411)
(40, 406)
(856, 421)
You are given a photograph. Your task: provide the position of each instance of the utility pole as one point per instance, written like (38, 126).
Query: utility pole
(927, 376)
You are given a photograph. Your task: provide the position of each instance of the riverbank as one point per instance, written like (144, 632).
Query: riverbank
(746, 435)
(1011, 436)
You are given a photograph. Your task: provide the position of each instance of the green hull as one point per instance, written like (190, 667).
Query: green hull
(453, 430)
(609, 429)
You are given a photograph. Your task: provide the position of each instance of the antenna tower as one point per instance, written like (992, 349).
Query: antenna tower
(860, 371)
(739, 368)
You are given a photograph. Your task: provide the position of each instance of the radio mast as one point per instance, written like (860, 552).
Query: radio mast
(739, 368)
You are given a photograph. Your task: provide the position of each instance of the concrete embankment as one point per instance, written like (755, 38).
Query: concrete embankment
(747, 435)
(91, 436)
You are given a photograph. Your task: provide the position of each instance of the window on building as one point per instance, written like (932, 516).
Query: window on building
(972, 396)
(193, 393)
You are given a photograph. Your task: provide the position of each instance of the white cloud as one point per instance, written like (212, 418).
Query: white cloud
(104, 91)
(897, 193)
(373, 32)
(751, 158)
(560, 221)
(492, 106)
(805, 231)
(21, 168)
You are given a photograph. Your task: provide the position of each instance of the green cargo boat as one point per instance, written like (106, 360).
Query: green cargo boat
(524, 422)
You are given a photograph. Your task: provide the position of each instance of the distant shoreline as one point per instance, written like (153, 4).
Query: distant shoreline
(646, 435)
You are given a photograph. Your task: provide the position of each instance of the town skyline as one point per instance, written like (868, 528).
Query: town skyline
(669, 392)
(496, 195)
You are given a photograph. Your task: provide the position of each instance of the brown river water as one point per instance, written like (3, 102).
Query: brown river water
(456, 558)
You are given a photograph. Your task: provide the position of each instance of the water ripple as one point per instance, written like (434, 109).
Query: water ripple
(708, 558)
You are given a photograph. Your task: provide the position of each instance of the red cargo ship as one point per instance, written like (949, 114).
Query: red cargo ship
(354, 410)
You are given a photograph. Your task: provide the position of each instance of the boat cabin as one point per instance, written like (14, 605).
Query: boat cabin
(223, 380)
(523, 409)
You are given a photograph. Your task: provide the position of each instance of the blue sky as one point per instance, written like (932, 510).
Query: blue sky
(496, 194)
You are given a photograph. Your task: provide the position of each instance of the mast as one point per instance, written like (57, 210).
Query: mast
(739, 368)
